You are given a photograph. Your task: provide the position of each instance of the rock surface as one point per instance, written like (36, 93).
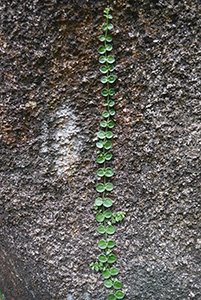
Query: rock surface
(50, 113)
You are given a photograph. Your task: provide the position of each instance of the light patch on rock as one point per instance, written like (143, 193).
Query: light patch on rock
(60, 137)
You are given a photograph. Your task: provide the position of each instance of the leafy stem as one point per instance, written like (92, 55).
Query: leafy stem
(104, 215)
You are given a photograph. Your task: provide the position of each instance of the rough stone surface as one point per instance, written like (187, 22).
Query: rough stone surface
(50, 113)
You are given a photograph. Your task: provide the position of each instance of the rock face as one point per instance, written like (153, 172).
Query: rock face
(50, 113)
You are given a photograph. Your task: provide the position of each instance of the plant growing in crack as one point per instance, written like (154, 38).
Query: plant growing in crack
(102, 204)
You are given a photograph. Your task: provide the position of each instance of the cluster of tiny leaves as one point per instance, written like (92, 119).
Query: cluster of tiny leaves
(2, 297)
(105, 217)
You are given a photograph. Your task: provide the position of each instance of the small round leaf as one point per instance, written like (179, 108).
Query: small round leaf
(110, 26)
(102, 38)
(104, 27)
(101, 134)
(109, 16)
(107, 145)
(102, 258)
(117, 285)
(111, 92)
(100, 218)
(108, 283)
(109, 186)
(102, 59)
(103, 69)
(110, 229)
(109, 172)
(108, 47)
(108, 156)
(105, 114)
(102, 244)
(109, 38)
(111, 103)
(109, 134)
(100, 188)
(104, 92)
(110, 59)
(101, 229)
(111, 68)
(111, 258)
(104, 124)
(99, 144)
(99, 201)
(111, 244)
(112, 112)
(107, 202)
(111, 79)
(104, 79)
(100, 159)
(110, 124)
(101, 50)
(107, 213)
(106, 274)
(114, 271)
(111, 297)
(119, 295)
(100, 172)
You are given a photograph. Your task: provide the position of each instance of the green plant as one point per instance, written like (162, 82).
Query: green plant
(2, 297)
(102, 204)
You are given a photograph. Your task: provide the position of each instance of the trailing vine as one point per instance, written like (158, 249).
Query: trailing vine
(102, 203)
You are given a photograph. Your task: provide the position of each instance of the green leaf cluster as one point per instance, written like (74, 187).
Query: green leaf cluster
(96, 266)
(2, 297)
(104, 215)
(107, 59)
(117, 217)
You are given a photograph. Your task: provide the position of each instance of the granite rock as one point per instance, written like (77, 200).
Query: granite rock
(50, 114)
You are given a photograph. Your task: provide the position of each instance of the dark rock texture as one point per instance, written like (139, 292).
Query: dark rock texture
(50, 113)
